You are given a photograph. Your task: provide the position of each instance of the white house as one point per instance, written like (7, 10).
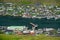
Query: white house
(48, 29)
(15, 28)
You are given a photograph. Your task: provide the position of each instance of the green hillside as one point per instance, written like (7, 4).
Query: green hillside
(47, 2)
(27, 37)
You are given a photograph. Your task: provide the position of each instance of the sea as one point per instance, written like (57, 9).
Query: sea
(19, 21)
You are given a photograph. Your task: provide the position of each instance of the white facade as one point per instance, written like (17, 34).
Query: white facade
(15, 27)
(48, 29)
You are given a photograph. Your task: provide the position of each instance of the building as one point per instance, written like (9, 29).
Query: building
(2, 9)
(16, 28)
(9, 8)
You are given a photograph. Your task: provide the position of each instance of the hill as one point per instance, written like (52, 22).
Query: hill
(27, 37)
(47, 2)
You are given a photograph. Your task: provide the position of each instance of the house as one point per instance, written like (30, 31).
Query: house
(3, 27)
(9, 8)
(49, 31)
(9, 4)
(57, 16)
(58, 31)
(57, 9)
(15, 28)
(2, 9)
(49, 17)
(26, 15)
(26, 32)
(41, 16)
(39, 31)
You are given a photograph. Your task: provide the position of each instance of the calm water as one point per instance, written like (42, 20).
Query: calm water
(19, 21)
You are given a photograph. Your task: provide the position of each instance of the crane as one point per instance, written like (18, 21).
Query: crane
(33, 28)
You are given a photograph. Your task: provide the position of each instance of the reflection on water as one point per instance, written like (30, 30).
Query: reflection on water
(19, 21)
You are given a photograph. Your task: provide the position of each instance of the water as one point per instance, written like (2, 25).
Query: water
(19, 21)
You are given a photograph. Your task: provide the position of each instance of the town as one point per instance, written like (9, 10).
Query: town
(23, 30)
(30, 11)
(29, 19)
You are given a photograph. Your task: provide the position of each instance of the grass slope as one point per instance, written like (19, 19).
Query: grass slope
(47, 2)
(27, 37)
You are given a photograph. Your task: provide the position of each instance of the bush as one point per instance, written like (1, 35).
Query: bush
(1, 32)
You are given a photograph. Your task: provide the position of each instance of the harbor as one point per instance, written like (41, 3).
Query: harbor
(29, 19)
(19, 21)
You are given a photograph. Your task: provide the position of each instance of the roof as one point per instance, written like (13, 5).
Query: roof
(15, 27)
